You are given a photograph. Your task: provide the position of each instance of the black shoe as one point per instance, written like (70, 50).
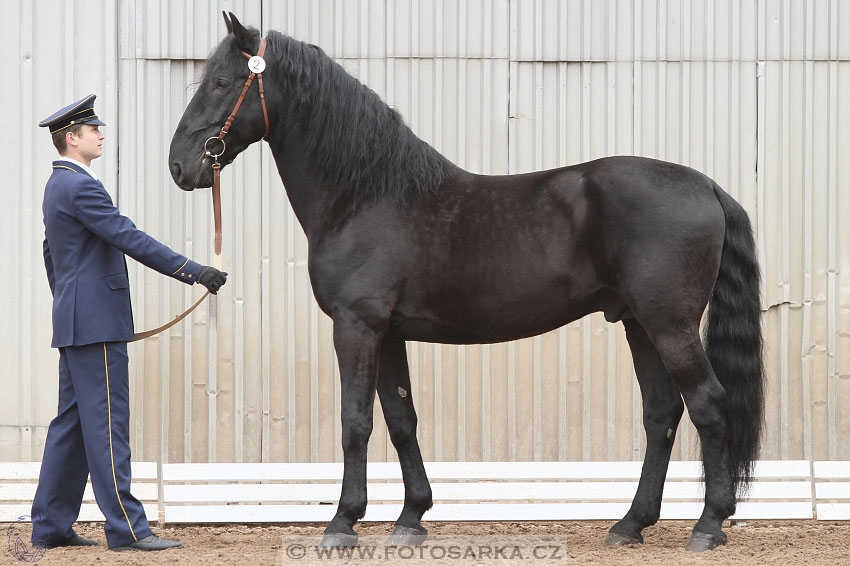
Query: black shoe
(150, 542)
(75, 540)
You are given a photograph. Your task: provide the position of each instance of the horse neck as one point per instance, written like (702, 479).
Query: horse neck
(318, 206)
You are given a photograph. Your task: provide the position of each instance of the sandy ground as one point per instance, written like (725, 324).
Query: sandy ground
(779, 543)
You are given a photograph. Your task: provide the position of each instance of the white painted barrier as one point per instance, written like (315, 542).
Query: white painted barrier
(18, 481)
(466, 491)
(462, 491)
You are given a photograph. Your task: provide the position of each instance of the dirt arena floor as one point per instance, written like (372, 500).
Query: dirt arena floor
(775, 543)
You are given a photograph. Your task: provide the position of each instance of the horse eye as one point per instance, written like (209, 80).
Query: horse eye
(222, 83)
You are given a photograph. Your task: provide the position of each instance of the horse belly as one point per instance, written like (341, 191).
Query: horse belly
(489, 313)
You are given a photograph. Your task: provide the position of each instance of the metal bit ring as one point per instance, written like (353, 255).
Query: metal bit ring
(208, 153)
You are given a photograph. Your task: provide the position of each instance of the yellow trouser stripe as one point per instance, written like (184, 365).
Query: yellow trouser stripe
(111, 457)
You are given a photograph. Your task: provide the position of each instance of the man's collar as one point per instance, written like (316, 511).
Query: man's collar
(80, 165)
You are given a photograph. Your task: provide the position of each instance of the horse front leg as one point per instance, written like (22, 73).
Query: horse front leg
(662, 411)
(357, 346)
(400, 416)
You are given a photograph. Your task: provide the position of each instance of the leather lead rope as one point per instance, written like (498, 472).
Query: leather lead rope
(216, 195)
(149, 333)
(216, 264)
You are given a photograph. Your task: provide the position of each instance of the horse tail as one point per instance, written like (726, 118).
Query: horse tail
(733, 340)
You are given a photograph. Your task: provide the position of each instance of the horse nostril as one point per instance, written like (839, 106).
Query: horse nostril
(175, 169)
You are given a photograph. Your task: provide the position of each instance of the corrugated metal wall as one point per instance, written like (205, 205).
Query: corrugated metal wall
(46, 62)
(753, 93)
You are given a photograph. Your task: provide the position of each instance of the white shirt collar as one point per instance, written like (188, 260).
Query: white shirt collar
(82, 166)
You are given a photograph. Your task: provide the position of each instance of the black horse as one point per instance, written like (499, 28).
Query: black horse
(405, 245)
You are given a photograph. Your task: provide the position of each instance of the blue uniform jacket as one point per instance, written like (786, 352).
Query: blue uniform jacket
(85, 242)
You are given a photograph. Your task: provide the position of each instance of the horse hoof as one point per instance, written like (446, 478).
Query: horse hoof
(615, 539)
(700, 542)
(402, 535)
(338, 540)
(407, 536)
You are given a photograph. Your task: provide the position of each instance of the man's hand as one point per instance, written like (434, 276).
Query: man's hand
(212, 278)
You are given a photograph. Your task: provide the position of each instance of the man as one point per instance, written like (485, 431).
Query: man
(86, 239)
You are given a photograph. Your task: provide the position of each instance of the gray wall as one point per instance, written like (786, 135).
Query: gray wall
(753, 93)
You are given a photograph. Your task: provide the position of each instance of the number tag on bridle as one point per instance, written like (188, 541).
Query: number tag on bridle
(256, 64)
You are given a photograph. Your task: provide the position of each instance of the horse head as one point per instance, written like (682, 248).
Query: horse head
(192, 150)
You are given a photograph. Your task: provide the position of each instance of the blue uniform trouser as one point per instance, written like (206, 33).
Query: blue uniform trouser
(91, 434)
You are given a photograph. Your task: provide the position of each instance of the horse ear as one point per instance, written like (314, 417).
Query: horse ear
(244, 38)
(227, 22)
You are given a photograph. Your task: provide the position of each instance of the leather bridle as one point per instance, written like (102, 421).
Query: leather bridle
(216, 167)
(256, 67)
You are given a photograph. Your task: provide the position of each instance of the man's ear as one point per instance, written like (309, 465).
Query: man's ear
(246, 40)
(70, 138)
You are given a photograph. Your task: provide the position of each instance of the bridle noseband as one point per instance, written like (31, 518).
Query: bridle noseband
(256, 64)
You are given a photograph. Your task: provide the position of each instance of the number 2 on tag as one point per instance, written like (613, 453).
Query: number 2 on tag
(256, 64)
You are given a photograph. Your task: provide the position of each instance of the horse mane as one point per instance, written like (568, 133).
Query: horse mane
(353, 138)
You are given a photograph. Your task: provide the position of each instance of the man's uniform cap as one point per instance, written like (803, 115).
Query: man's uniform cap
(79, 112)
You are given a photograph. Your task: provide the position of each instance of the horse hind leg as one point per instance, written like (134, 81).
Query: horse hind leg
(662, 410)
(400, 416)
(687, 363)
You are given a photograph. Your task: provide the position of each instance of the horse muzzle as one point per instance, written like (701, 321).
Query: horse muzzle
(193, 176)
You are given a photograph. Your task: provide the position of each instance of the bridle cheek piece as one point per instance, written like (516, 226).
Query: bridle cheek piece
(226, 128)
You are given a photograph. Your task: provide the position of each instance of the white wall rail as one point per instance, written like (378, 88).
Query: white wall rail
(18, 482)
(466, 491)
(463, 491)
(832, 490)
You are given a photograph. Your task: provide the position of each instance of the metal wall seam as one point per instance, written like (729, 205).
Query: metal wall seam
(265, 301)
(831, 156)
(842, 256)
(28, 264)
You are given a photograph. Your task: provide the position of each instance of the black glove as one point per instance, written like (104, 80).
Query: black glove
(211, 278)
